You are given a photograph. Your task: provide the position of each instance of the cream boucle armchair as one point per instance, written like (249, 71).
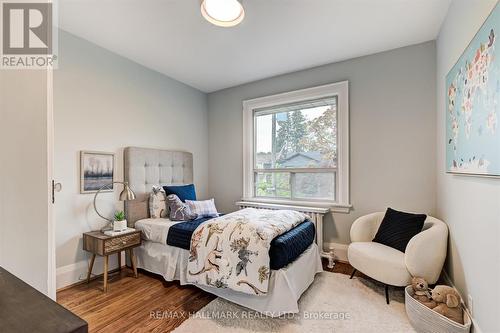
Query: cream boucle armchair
(424, 255)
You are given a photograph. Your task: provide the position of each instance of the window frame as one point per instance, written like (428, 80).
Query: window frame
(250, 107)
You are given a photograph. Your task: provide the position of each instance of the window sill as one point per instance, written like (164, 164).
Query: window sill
(321, 206)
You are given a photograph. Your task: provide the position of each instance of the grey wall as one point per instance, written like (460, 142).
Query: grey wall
(470, 205)
(392, 123)
(24, 234)
(105, 102)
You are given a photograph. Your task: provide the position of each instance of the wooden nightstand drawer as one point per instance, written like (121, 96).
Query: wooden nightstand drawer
(118, 243)
(100, 244)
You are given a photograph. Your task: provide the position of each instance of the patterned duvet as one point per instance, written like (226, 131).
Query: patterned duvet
(284, 248)
(233, 251)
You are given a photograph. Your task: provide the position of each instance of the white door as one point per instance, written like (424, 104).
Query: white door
(26, 227)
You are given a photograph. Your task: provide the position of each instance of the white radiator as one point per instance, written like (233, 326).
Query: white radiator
(314, 213)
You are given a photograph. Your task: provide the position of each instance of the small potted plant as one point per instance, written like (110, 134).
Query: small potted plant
(120, 224)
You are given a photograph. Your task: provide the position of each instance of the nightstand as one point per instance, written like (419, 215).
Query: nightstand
(98, 243)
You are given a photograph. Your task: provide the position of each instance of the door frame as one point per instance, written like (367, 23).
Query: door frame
(51, 264)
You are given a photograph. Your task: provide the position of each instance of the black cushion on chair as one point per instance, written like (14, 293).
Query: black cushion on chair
(397, 228)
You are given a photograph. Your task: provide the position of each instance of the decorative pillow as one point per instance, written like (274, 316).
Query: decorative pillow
(184, 192)
(204, 208)
(179, 211)
(397, 228)
(157, 203)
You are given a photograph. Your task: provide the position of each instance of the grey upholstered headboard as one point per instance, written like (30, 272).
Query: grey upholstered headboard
(145, 167)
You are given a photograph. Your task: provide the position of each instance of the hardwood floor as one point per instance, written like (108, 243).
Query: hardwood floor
(129, 302)
(132, 305)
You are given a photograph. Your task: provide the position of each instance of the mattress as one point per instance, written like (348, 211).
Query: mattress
(284, 248)
(155, 230)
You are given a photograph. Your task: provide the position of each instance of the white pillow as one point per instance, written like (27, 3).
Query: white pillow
(157, 203)
(204, 208)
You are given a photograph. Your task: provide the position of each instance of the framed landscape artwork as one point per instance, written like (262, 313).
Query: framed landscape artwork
(473, 105)
(96, 170)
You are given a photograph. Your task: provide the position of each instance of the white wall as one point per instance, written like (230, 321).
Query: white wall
(105, 102)
(24, 233)
(470, 205)
(392, 124)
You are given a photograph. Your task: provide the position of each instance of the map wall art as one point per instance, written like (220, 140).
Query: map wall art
(472, 105)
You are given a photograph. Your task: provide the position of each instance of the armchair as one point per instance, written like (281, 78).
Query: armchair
(424, 255)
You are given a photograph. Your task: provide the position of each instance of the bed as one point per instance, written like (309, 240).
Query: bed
(143, 168)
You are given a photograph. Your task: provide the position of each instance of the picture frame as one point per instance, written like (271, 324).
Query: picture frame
(97, 169)
(472, 99)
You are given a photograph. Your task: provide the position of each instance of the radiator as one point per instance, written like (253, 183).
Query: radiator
(315, 214)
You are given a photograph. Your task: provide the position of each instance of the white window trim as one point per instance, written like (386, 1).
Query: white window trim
(339, 89)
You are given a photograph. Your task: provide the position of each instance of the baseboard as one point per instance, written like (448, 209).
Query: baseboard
(93, 277)
(448, 281)
(339, 250)
(74, 273)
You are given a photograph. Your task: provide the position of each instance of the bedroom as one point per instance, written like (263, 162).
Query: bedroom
(341, 116)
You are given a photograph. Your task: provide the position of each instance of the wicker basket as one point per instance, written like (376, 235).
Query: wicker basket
(425, 320)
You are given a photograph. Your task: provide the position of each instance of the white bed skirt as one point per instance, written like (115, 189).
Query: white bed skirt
(286, 285)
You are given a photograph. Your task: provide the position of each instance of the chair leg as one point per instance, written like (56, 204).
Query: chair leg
(387, 293)
(353, 272)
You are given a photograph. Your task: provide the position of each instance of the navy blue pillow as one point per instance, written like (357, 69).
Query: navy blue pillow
(184, 192)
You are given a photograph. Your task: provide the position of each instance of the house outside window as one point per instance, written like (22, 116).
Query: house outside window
(296, 147)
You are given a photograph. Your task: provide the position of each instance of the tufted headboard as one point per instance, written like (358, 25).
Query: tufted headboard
(145, 167)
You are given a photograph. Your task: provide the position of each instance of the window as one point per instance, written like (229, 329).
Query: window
(296, 147)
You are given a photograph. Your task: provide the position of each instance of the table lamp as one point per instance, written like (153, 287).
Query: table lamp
(125, 195)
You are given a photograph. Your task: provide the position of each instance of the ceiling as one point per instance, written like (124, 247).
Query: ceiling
(276, 37)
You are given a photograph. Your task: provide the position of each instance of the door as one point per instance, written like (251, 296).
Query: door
(26, 226)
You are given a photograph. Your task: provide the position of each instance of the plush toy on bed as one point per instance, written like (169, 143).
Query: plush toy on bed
(448, 303)
(421, 292)
(179, 211)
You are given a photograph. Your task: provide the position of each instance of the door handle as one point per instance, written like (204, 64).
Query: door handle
(56, 187)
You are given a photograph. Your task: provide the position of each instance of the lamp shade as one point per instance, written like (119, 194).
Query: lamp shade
(127, 194)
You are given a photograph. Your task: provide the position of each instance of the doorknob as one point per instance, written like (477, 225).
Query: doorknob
(56, 187)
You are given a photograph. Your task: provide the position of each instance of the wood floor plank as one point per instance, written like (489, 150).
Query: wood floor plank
(129, 302)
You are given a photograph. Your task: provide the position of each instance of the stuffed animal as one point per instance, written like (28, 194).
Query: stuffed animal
(421, 292)
(448, 303)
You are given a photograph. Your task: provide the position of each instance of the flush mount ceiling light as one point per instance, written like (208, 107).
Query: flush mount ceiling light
(223, 13)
